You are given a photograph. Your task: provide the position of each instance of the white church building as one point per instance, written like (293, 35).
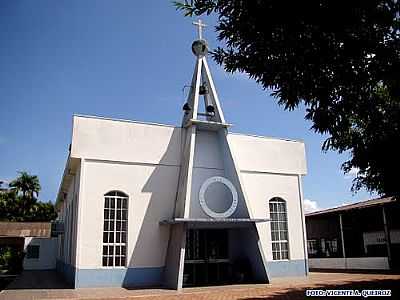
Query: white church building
(145, 204)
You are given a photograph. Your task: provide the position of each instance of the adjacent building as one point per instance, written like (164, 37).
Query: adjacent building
(34, 239)
(363, 235)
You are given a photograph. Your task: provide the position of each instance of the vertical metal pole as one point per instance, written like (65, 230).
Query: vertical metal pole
(342, 239)
(387, 237)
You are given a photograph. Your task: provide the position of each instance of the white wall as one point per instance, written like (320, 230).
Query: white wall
(69, 215)
(75, 207)
(142, 160)
(115, 140)
(360, 263)
(47, 254)
(263, 154)
(212, 159)
(208, 162)
(207, 153)
(199, 176)
(151, 191)
(260, 188)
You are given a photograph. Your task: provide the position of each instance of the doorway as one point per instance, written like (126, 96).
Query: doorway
(207, 259)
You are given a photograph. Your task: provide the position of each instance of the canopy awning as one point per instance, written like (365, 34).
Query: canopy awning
(211, 221)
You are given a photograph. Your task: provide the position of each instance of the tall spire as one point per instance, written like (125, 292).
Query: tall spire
(199, 131)
(202, 85)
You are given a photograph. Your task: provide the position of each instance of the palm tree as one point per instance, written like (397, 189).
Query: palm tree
(27, 185)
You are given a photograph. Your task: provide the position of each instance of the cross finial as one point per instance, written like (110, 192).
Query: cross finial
(200, 26)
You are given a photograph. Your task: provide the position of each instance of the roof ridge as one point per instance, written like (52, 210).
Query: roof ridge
(352, 205)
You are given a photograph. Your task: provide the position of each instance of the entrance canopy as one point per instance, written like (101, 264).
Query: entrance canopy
(218, 222)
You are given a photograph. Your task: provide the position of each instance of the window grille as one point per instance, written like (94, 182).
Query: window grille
(279, 229)
(115, 229)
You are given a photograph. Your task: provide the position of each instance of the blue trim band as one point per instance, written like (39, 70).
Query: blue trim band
(127, 277)
(287, 268)
(143, 277)
(111, 277)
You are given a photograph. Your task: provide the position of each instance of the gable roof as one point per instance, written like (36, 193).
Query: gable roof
(358, 205)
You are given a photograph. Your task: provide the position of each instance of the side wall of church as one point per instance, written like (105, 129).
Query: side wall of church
(67, 242)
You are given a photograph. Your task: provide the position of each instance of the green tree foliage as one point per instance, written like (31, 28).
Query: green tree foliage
(27, 185)
(339, 59)
(20, 203)
(42, 212)
(11, 259)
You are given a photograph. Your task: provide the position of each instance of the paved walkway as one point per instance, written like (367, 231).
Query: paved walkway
(288, 288)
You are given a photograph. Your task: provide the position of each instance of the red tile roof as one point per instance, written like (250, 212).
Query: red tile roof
(24, 229)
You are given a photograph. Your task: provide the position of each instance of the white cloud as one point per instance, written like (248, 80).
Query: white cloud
(222, 74)
(4, 183)
(352, 173)
(237, 75)
(310, 206)
(346, 203)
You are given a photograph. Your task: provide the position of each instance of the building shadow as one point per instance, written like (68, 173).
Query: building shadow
(147, 261)
(276, 293)
(48, 279)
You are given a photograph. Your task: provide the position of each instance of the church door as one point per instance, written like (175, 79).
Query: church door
(207, 257)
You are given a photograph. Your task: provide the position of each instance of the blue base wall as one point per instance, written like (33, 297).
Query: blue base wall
(126, 277)
(287, 268)
(144, 277)
(112, 277)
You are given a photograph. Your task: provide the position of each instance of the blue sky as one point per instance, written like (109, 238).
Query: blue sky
(130, 60)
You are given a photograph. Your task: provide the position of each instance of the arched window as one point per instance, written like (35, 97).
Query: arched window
(279, 229)
(115, 229)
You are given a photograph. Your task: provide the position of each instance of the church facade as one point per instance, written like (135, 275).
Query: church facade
(147, 204)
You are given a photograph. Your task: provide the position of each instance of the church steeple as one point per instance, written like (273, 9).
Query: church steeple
(206, 158)
(202, 86)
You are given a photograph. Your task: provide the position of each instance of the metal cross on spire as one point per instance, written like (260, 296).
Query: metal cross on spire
(200, 26)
